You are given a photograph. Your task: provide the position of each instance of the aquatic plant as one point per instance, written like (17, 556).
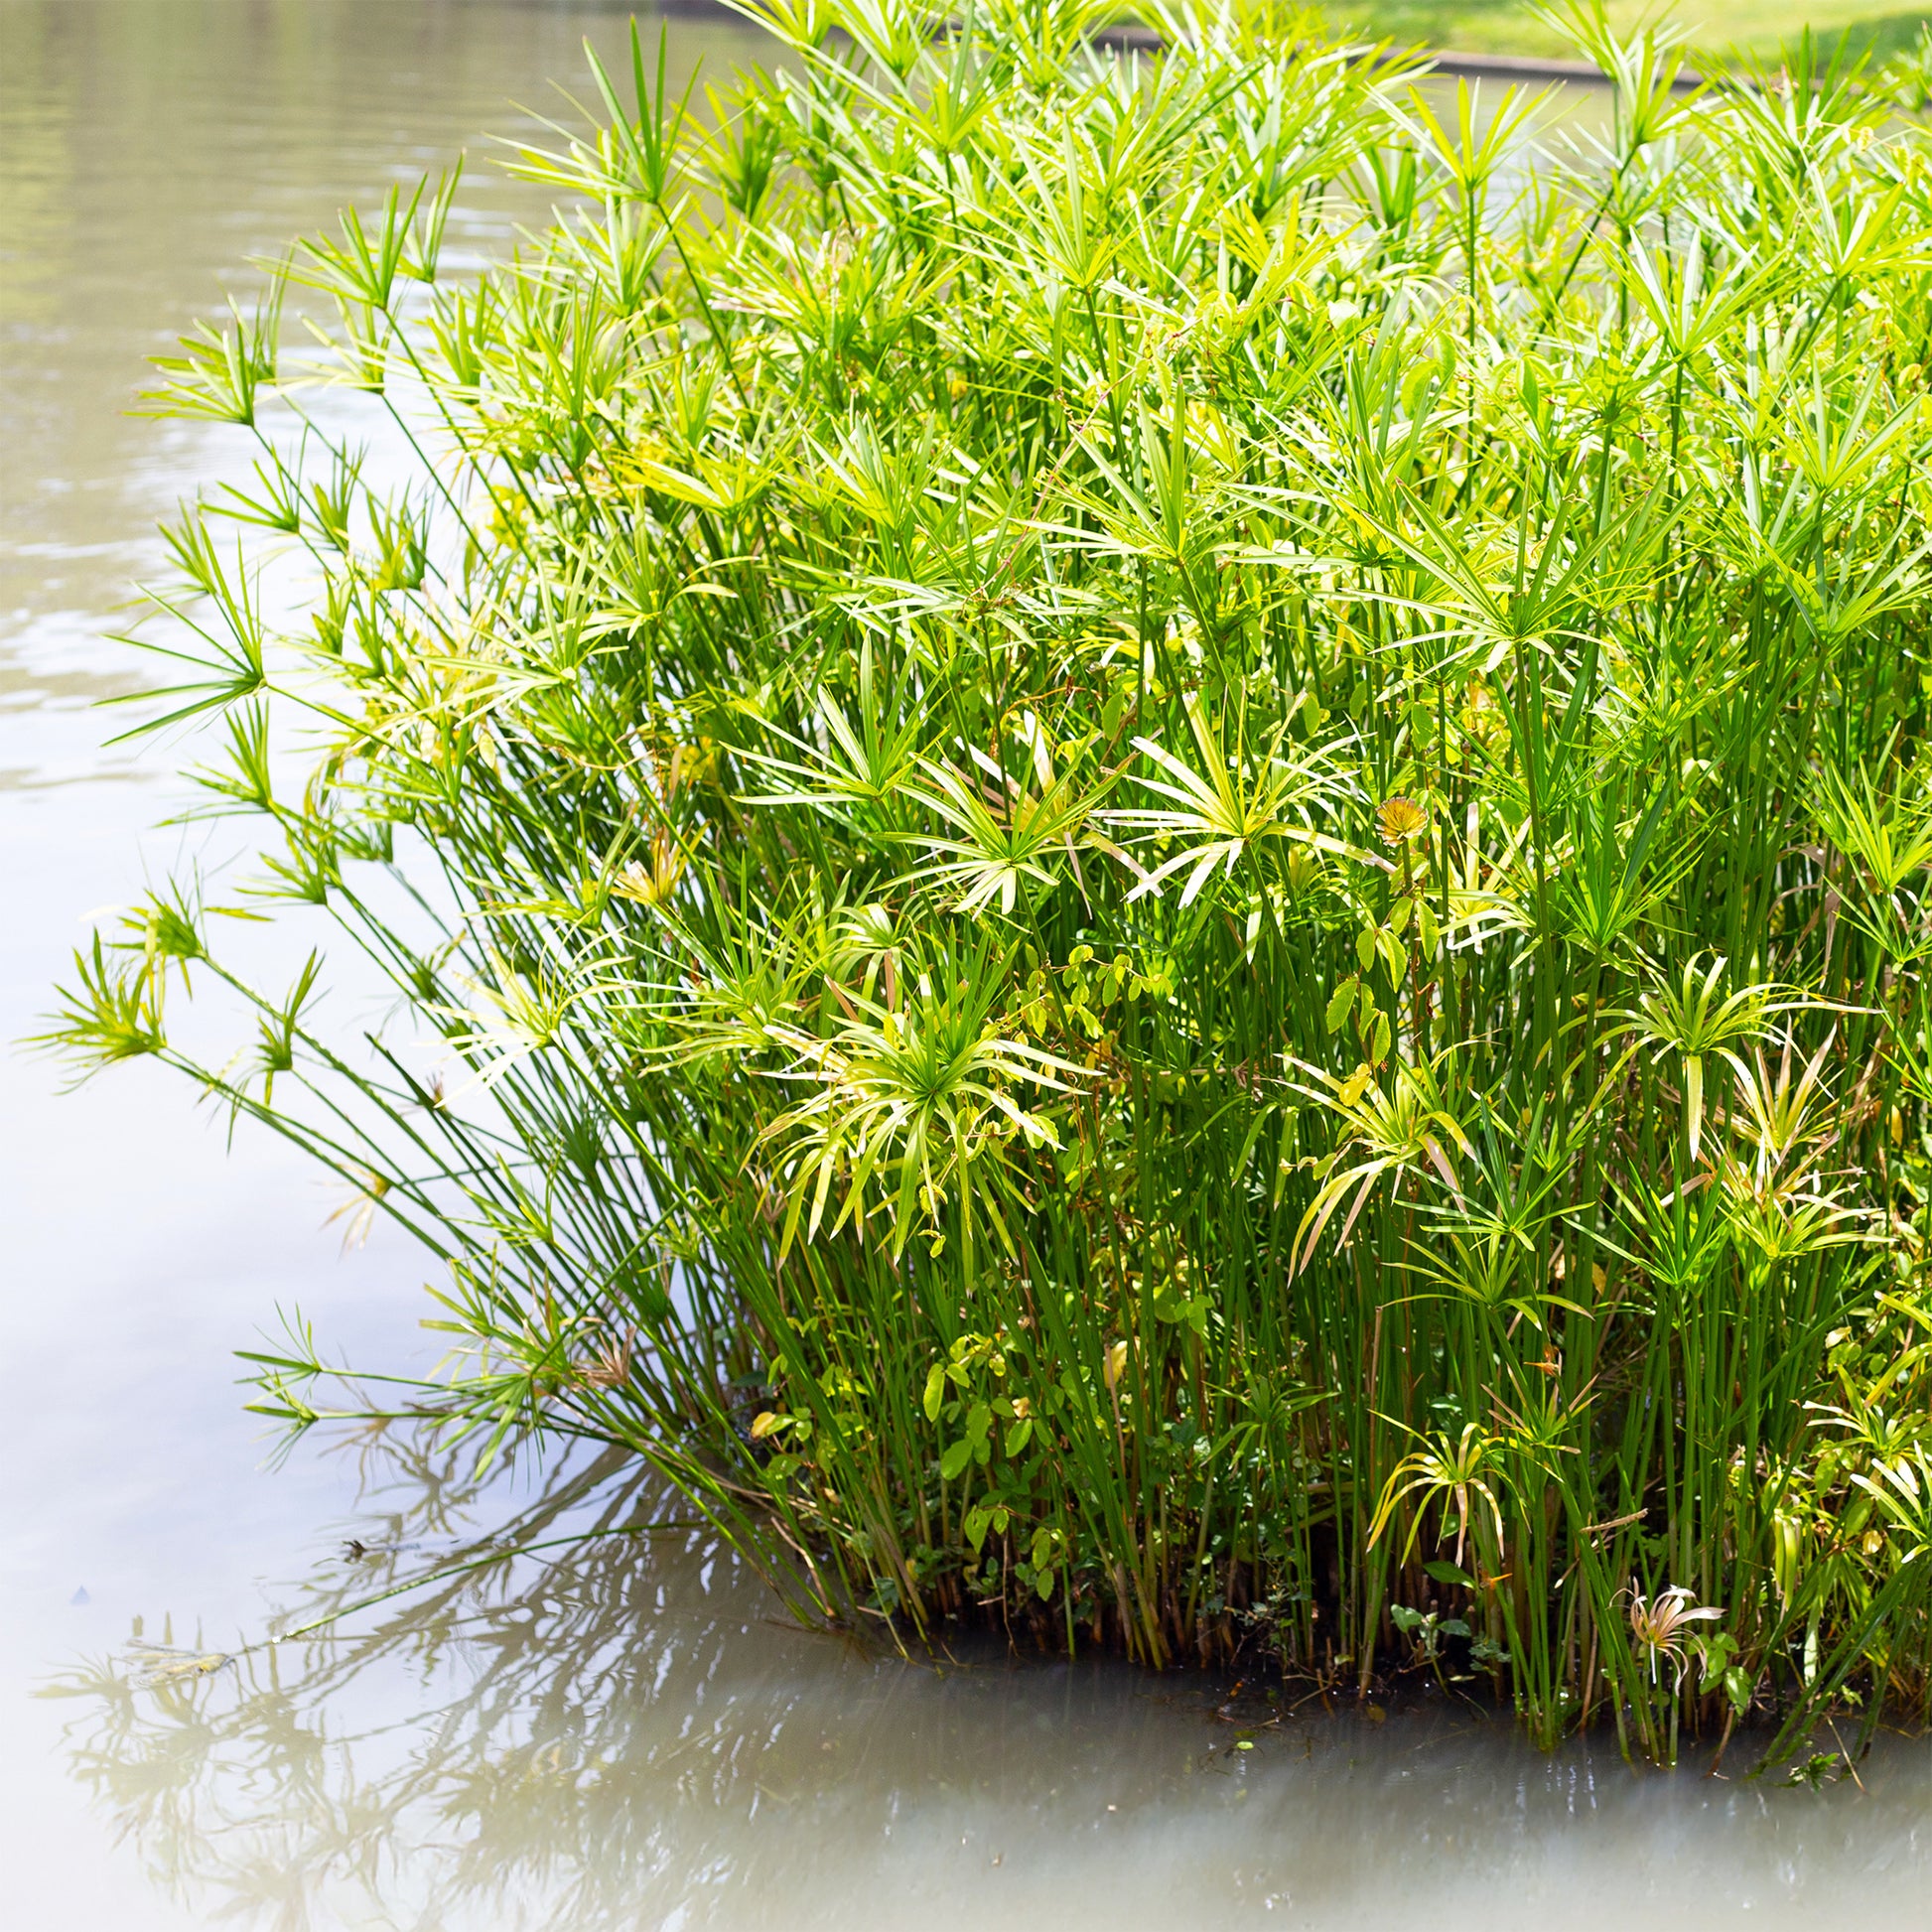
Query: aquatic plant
(1151, 836)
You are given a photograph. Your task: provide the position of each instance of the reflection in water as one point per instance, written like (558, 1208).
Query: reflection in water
(485, 1747)
(515, 1746)
(37, 165)
(628, 1738)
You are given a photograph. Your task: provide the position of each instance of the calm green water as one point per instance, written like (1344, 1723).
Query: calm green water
(626, 1739)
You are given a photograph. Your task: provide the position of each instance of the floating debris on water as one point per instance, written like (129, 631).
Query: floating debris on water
(354, 1550)
(154, 1665)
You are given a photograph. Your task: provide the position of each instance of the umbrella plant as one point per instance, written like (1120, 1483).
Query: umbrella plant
(1151, 834)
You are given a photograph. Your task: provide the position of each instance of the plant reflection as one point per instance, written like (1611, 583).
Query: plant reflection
(565, 1744)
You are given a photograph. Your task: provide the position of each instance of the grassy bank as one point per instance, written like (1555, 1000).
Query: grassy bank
(1150, 842)
(1758, 28)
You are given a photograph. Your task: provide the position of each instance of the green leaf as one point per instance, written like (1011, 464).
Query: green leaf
(1447, 1572)
(1020, 1434)
(978, 1518)
(1341, 1003)
(1381, 1040)
(952, 1466)
(935, 1391)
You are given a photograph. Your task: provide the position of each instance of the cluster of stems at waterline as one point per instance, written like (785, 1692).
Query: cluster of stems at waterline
(1152, 833)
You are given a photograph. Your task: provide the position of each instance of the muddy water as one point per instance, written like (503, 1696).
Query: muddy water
(627, 1738)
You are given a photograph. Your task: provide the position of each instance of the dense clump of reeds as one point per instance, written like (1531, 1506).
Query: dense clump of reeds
(1168, 833)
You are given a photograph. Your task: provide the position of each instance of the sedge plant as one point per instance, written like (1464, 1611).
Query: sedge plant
(1152, 834)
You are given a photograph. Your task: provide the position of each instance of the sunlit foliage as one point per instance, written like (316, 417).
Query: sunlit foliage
(1164, 816)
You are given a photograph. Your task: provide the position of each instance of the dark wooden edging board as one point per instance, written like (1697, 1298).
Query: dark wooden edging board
(1456, 67)
(1510, 66)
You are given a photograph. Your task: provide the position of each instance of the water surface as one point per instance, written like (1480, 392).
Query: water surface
(628, 1738)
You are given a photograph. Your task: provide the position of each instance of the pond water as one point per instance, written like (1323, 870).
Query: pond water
(629, 1738)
